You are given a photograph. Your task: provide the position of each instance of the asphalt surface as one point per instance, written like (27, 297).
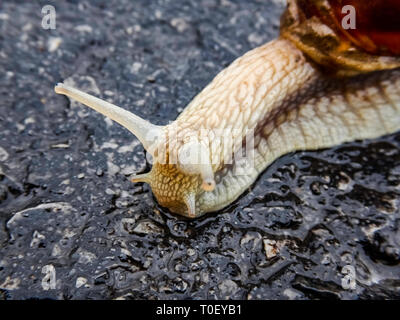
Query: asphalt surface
(72, 226)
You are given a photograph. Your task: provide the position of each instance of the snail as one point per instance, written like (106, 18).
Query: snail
(316, 86)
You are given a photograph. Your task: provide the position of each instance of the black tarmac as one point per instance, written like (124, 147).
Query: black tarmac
(72, 225)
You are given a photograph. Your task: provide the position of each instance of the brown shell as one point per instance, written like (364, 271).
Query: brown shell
(316, 29)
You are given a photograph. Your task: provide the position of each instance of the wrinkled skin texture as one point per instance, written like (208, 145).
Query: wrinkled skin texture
(276, 93)
(321, 210)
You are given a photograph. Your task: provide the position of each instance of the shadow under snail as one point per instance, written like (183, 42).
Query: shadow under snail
(317, 85)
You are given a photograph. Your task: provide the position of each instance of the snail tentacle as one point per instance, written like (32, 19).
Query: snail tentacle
(190, 201)
(138, 126)
(145, 177)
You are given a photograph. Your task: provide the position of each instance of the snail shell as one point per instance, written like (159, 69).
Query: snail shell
(313, 87)
(316, 27)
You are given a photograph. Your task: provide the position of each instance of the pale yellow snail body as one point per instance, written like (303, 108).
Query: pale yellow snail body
(277, 95)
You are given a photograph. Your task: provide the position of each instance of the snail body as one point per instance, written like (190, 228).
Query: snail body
(283, 96)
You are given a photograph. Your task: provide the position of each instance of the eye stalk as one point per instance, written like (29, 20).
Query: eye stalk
(208, 178)
(138, 126)
(194, 158)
